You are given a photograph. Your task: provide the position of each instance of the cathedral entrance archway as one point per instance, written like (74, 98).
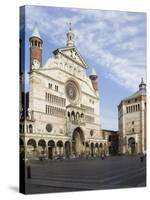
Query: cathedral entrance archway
(131, 145)
(78, 142)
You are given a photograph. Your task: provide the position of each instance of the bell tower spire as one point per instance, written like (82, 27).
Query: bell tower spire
(70, 37)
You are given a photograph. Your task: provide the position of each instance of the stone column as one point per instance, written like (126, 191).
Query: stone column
(70, 149)
(55, 149)
(63, 150)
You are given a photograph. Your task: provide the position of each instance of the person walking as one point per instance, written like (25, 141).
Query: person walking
(141, 157)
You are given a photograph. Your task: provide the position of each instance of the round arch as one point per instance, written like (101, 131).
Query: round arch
(101, 145)
(60, 148)
(87, 144)
(51, 143)
(131, 145)
(42, 143)
(60, 143)
(72, 115)
(30, 128)
(78, 139)
(51, 149)
(31, 142)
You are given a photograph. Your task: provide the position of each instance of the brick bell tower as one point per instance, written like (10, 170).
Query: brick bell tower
(35, 50)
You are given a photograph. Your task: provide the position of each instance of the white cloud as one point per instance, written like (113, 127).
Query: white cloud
(114, 40)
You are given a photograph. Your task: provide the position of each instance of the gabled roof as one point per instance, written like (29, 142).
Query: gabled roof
(64, 51)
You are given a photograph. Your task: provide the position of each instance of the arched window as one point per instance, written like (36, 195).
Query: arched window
(69, 115)
(109, 138)
(38, 43)
(73, 115)
(56, 87)
(133, 130)
(30, 128)
(101, 145)
(82, 115)
(35, 42)
(77, 115)
(138, 107)
(50, 85)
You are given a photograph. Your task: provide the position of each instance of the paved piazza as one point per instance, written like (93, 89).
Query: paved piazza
(86, 174)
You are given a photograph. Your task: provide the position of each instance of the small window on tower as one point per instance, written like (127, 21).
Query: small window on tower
(38, 44)
(35, 43)
(133, 130)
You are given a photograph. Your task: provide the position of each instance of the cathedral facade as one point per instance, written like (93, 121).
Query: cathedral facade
(63, 115)
(132, 122)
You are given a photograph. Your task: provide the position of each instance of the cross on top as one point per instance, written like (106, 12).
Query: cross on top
(70, 24)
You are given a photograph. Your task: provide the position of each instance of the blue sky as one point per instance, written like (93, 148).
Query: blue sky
(113, 42)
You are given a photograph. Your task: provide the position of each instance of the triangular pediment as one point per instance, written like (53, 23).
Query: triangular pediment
(71, 53)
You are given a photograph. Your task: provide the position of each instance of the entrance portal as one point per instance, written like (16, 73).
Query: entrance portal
(131, 145)
(78, 142)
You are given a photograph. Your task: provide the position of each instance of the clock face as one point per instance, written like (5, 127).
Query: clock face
(35, 64)
(72, 91)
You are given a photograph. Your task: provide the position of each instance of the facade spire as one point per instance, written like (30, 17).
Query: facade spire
(70, 37)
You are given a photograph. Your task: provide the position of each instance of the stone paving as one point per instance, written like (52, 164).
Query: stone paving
(82, 174)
